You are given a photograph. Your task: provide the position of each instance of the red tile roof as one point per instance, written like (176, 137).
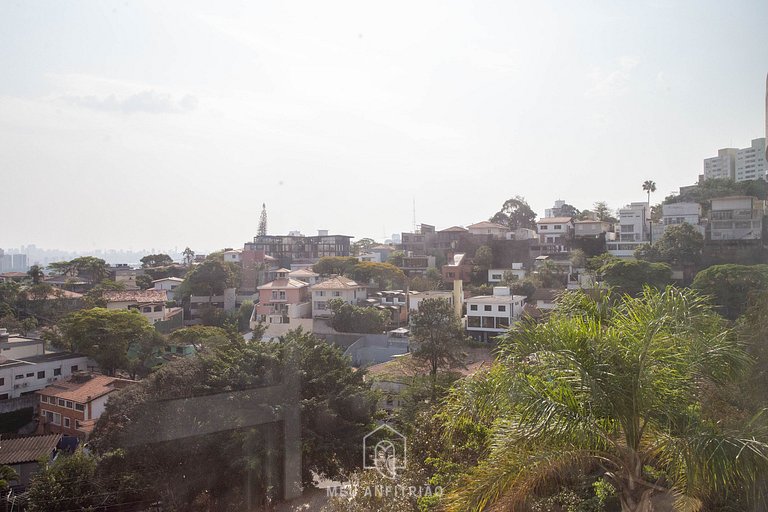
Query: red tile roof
(84, 392)
(336, 283)
(283, 282)
(138, 296)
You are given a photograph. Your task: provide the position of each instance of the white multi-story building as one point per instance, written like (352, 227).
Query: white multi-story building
(750, 162)
(491, 315)
(20, 377)
(736, 218)
(722, 166)
(633, 230)
(678, 213)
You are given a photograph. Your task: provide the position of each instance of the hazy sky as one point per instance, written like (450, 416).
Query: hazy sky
(161, 124)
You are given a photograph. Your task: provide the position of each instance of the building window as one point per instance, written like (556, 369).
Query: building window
(4, 396)
(502, 308)
(62, 402)
(79, 407)
(19, 376)
(147, 309)
(56, 372)
(66, 422)
(74, 368)
(69, 404)
(41, 374)
(488, 308)
(558, 226)
(2, 381)
(543, 227)
(44, 399)
(473, 307)
(158, 309)
(496, 277)
(473, 321)
(31, 374)
(337, 294)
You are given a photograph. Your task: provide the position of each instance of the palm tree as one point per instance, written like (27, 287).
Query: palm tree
(7, 475)
(36, 273)
(650, 186)
(615, 391)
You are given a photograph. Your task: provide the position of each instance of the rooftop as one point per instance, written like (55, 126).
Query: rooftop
(84, 388)
(455, 229)
(174, 279)
(27, 449)
(138, 296)
(546, 294)
(303, 272)
(336, 283)
(44, 358)
(554, 220)
(283, 282)
(496, 299)
(487, 224)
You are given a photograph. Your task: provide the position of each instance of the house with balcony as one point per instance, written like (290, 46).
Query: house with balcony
(491, 315)
(335, 287)
(633, 230)
(736, 218)
(169, 285)
(283, 300)
(679, 213)
(555, 234)
(71, 407)
(417, 264)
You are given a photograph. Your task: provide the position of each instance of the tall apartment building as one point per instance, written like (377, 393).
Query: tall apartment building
(722, 166)
(295, 248)
(632, 230)
(750, 162)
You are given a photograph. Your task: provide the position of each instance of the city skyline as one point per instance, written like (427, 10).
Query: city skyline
(144, 125)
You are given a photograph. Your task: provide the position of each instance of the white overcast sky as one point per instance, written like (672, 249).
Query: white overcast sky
(160, 124)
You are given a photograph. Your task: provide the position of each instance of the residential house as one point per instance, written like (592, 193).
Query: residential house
(232, 255)
(590, 228)
(496, 275)
(493, 229)
(25, 454)
(255, 265)
(230, 300)
(417, 243)
(71, 407)
(336, 287)
(736, 218)
(679, 213)
(306, 275)
(544, 298)
(283, 300)
(458, 268)
(555, 234)
(633, 230)
(23, 376)
(395, 302)
(169, 285)
(453, 238)
(125, 275)
(491, 315)
(416, 298)
(150, 303)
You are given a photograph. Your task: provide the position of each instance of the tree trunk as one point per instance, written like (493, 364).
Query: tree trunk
(637, 502)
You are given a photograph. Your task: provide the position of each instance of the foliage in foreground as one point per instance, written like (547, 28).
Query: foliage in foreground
(615, 394)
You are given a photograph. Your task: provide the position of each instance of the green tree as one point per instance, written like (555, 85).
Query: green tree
(681, 244)
(204, 337)
(144, 282)
(618, 395)
(36, 274)
(362, 246)
(396, 258)
(211, 277)
(189, 256)
(630, 276)
(90, 268)
(68, 483)
(7, 475)
(350, 318)
(603, 212)
(516, 213)
(339, 265)
(336, 405)
(244, 315)
(438, 338)
(732, 287)
(105, 335)
(156, 260)
(383, 275)
(483, 258)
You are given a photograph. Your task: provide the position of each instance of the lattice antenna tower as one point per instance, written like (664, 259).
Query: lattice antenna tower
(263, 220)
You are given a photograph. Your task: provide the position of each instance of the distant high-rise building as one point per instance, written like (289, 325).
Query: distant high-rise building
(750, 162)
(722, 166)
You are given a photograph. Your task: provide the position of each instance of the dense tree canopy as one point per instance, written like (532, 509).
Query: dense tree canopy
(680, 244)
(360, 319)
(516, 213)
(615, 393)
(630, 276)
(226, 466)
(89, 268)
(106, 334)
(732, 287)
(211, 277)
(156, 260)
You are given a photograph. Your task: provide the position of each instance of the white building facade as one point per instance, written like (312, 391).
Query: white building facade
(491, 315)
(750, 162)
